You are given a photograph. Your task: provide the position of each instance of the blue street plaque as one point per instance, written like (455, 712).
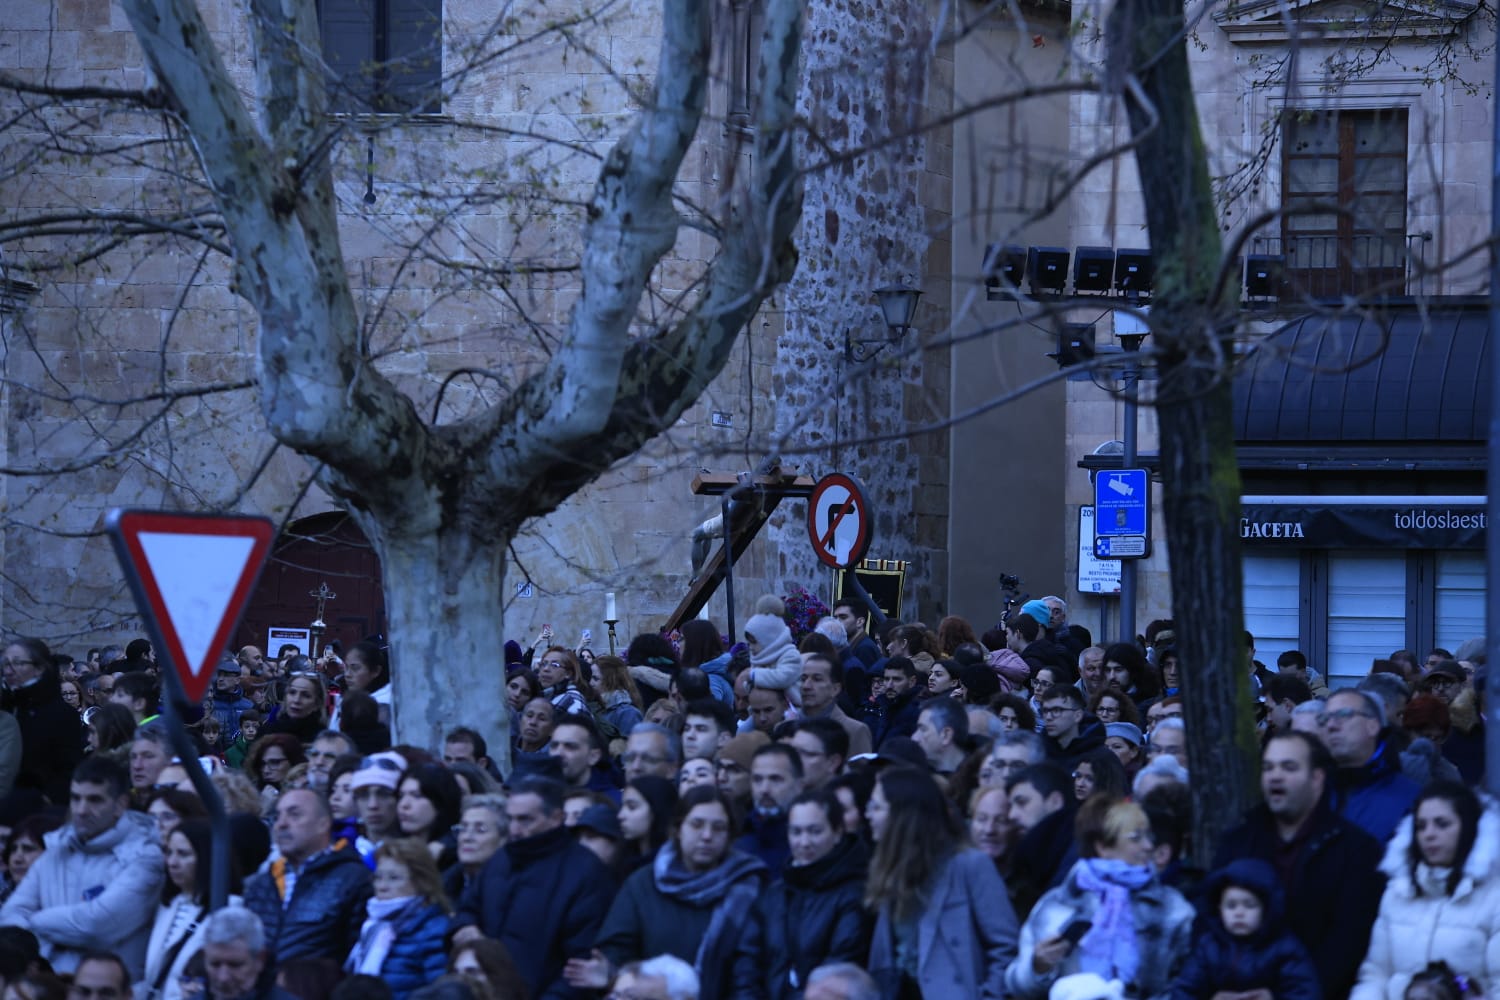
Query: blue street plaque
(1122, 503)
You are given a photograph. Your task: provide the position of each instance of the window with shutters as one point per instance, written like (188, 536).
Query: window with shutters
(1344, 192)
(383, 56)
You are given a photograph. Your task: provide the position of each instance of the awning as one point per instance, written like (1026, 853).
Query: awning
(1393, 387)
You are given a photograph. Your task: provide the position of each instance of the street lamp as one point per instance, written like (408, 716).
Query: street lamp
(898, 305)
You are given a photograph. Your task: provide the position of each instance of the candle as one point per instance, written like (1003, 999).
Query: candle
(609, 607)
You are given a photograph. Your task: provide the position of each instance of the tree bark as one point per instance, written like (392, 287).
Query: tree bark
(441, 504)
(1192, 326)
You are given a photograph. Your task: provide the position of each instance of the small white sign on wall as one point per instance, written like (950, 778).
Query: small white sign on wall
(1095, 575)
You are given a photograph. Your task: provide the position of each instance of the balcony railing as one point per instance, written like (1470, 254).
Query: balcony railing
(1362, 266)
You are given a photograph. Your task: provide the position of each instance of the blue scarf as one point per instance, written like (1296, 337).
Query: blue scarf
(1110, 947)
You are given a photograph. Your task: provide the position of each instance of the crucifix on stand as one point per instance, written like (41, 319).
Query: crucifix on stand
(747, 500)
(323, 595)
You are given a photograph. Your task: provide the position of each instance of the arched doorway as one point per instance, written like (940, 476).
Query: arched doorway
(325, 548)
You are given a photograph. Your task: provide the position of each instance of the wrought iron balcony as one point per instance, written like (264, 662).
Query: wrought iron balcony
(1369, 265)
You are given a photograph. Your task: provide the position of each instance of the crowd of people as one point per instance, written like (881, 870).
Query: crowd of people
(931, 813)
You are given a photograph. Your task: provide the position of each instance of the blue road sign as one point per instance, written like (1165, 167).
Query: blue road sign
(1122, 503)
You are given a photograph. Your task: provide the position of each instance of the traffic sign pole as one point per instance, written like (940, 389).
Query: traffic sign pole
(179, 590)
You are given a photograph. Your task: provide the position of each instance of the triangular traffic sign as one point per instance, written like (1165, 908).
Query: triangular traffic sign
(192, 575)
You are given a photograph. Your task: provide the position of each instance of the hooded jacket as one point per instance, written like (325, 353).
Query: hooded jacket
(323, 917)
(1332, 891)
(86, 895)
(1271, 958)
(1012, 670)
(813, 915)
(719, 683)
(775, 663)
(1415, 928)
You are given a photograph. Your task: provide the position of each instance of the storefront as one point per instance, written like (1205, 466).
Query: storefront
(1362, 449)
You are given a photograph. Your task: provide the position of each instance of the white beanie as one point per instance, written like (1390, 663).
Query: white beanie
(1086, 986)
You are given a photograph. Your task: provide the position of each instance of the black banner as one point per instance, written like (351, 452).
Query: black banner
(1399, 526)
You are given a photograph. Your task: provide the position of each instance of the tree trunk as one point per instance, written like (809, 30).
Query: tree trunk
(445, 608)
(1192, 326)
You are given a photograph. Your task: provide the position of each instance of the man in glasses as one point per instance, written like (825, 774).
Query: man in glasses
(1070, 733)
(1371, 790)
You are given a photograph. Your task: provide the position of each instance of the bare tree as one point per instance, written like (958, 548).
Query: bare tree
(440, 501)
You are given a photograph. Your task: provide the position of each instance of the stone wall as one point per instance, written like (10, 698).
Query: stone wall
(156, 319)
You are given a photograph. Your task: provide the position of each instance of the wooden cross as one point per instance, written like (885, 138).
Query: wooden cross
(757, 495)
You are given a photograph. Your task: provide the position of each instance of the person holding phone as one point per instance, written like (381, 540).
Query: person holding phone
(1111, 915)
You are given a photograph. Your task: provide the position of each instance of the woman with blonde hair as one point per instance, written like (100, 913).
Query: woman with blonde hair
(1110, 916)
(617, 693)
(403, 937)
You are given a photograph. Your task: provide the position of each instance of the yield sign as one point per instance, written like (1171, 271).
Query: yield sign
(192, 575)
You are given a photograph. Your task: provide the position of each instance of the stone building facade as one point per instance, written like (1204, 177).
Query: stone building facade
(129, 382)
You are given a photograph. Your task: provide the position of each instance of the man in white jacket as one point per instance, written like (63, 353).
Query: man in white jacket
(97, 884)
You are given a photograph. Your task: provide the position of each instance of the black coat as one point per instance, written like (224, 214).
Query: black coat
(1333, 887)
(544, 898)
(1044, 855)
(1090, 738)
(814, 914)
(52, 737)
(326, 911)
(898, 718)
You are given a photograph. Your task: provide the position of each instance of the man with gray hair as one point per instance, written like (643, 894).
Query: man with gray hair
(1370, 789)
(234, 956)
(652, 749)
(1013, 752)
(841, 981)
(665, 977)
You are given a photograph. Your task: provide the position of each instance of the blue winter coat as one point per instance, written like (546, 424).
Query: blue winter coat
(719, 683)
(1272, 958)
(326, 910)
(417, 954)
(1376, 796)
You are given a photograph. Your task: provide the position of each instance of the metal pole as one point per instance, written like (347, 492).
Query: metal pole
(1492, 503)
(728, 564)
(187, 755)
(1127, 566)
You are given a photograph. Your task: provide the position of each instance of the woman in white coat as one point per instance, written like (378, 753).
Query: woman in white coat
(1442, 902)
(177, 933)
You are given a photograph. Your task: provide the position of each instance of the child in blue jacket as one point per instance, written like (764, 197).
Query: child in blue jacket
(1244, 946)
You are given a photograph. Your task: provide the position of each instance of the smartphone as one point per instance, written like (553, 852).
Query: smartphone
(1075, 931)
(588, 635)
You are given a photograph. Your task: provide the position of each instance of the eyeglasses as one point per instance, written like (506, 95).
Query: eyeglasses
(643, 758)
(1053, 711)
(1342, 715)
(559, 664)
(477, 829)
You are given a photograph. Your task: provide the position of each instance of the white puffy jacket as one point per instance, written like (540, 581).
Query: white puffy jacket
(101, 894)
(1412, 930)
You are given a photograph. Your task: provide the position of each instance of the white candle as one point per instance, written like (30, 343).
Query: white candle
(609, 606)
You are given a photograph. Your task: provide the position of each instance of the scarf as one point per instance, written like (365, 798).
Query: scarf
(378, 934)
(730, 888)
(1110, 947)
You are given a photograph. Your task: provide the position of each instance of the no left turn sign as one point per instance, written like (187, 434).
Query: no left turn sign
(838, 520)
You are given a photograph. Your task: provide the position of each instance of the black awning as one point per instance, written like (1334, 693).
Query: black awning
(1396, 376)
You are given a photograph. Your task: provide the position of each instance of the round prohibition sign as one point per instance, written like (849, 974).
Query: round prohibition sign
(838, 520)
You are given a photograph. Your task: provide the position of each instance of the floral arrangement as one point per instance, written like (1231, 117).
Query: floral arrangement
(803, 612)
